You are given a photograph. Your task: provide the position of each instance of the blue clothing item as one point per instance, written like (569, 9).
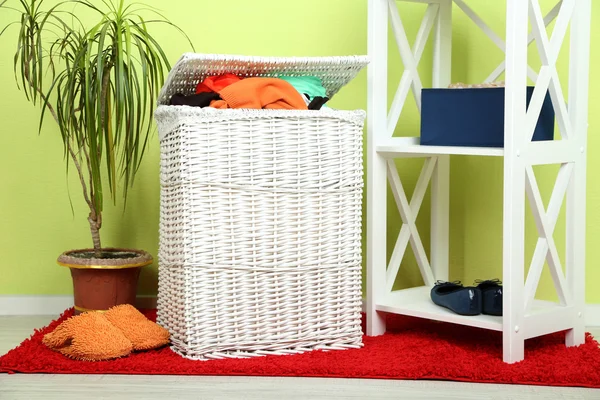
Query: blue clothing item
(307, 85)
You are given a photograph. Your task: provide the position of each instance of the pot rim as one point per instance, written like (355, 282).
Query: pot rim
(68, 260)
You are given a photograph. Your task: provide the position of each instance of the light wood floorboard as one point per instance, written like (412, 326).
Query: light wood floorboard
(31, 387)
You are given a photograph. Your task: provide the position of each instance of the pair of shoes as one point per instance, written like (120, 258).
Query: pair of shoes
(484, 298)
(95, 336)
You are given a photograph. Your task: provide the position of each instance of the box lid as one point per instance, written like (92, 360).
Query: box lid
(192, 68)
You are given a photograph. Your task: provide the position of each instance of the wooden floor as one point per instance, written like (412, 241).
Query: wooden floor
(30, 387)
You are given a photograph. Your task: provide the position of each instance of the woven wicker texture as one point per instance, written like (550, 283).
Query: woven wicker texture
(192, 68)
(260, 230)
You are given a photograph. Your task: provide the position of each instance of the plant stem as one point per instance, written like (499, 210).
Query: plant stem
(94, 221)
(81, 177)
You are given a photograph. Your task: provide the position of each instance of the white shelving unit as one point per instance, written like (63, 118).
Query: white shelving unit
(524, 317)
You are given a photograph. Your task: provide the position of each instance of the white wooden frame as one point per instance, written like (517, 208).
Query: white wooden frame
(524, 317)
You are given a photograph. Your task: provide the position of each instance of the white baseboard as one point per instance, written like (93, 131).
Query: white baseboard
(592, 315)
(50, 305)
(55, 305)
(34, 305)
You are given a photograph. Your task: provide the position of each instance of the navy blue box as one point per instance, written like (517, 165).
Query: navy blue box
(473, 117)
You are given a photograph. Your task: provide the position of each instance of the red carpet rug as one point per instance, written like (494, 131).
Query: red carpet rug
(413, 349)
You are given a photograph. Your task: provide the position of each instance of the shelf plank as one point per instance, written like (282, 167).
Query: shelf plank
(410, 147)
(545, 317)
(416, 302)
(548, 317)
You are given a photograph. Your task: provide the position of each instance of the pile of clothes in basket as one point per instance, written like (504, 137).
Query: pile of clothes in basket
(231, 91)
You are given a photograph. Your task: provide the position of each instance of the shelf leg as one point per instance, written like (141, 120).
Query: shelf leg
(440, 185)
(514, 181)
(576, 192)
(575, 265)
(376, 165)
(440, 219)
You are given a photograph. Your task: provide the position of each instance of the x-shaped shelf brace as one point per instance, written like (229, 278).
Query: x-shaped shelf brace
(410, 58)
(547, 80)
(546, 248)
(549, 49)
(409, 213)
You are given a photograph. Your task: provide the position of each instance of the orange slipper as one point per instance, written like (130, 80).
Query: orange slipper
(143, 333)
(88, 337)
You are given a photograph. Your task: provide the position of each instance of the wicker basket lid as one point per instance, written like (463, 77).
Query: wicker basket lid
(192, 68)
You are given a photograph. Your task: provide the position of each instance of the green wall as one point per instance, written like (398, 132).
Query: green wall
(36, 221)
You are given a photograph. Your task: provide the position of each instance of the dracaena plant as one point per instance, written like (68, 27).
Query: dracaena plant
(98, 82)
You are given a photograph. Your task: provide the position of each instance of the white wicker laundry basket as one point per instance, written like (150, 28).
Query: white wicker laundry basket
(260, 222)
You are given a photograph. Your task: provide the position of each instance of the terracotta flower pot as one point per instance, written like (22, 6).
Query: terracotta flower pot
(101, 283)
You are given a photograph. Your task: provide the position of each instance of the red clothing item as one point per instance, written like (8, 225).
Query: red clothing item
(216, 83)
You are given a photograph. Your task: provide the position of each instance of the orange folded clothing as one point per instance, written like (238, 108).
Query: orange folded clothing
(259, 93)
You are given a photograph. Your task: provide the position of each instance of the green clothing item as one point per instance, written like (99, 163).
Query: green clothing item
(309, 85)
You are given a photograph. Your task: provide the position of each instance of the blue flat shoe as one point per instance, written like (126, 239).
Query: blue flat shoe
(457, 298)
(491, 291)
